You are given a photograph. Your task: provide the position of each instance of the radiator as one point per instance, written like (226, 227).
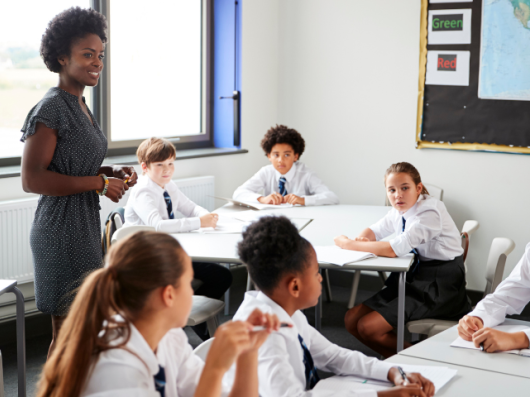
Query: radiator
(15, 224)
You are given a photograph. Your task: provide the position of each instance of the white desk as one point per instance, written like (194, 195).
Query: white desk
(472, 382)
(328, 222)
(437, 349)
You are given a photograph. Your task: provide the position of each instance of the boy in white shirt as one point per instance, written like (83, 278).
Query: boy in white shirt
(286, 180)
(510, 297)
(154, 201)
(283, 265)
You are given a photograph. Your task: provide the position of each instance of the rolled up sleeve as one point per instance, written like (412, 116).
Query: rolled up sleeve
(425, 227)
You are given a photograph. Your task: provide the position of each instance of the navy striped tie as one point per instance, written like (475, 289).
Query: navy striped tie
(311, 375)
(160, 381)
(416, 261)
(169, 205)
(281, 186)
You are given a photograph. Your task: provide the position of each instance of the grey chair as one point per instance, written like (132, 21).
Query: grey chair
(203, 349)
(501, 247)
(10, 286)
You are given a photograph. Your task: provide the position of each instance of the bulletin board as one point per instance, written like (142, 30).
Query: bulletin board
(474, 84)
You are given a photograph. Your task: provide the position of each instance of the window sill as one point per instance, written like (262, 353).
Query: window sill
(14, 170)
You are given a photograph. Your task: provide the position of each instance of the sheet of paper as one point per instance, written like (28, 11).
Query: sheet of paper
(459, 342)
(225, 225)
(254, 205)
(337, 256)
(439, 376)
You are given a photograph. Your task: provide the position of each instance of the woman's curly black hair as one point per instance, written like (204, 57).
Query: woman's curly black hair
(70, 25)
(283, 134)
(271, 248)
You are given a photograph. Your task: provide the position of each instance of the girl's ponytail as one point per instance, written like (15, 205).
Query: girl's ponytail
(136, 266)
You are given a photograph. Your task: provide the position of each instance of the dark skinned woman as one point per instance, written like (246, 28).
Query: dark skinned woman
(63, 153)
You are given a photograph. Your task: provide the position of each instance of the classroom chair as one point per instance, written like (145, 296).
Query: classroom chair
(501, 247)
(203, 349)
(203, 309)
(468, 229)
(115, 221)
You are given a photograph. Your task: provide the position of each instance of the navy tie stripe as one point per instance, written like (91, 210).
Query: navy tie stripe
(160, 381)
(281, 186)
(311, 375)
(169, 205)
(414, 251)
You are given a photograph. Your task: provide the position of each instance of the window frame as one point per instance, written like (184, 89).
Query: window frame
(101, 101)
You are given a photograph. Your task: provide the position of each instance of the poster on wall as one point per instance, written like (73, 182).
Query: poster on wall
(449, 27)
(505, 51)
(447, 68)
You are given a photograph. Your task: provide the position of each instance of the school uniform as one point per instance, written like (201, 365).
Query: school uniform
(300, 180)
(130, 371)
(283, 360)
(435, 284)
(149, 204)
(510, 297)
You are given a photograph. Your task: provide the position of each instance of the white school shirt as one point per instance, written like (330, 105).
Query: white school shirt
(510, 297)
(429, 228)
(281, 369)
(301, 181)
(147, 206)
(120, 373)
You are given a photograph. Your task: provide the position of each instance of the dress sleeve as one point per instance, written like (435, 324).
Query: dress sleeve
(50, 112)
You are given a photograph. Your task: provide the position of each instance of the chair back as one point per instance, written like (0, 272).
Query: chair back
(114, 221)
(434, 191)
(467, 230)
(501, 247)
(203, 349)
(127, 230)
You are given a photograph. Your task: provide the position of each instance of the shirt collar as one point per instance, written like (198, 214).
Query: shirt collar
(289, 176)
(66, 95)
(413, 210)
(154, 186)
(276, 309)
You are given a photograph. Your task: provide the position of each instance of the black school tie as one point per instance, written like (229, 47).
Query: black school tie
(311, 375)
(416, 261)
(169, 205)
(160, 381)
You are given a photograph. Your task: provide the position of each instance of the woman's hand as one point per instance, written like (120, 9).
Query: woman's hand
(494, 340)
(468, 325)
(209, 220)
(415, 379)
(293, 199)
(116, 189)
(341, 241)
(274, 198)
(403, 391)
(125, 173)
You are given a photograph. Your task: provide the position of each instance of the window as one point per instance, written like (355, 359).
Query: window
(24, 79)
(156, 68)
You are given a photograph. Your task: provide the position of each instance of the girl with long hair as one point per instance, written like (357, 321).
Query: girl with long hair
(123, 334)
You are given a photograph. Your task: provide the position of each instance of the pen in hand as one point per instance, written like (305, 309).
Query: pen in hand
(262, 328)
(402, 373)
(481, 347)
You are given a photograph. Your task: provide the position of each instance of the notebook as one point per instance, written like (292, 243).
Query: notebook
(459, 342)
(254, 205)
(439, 376)
(340, 257)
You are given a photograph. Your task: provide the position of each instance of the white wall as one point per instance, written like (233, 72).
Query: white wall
(348, 82)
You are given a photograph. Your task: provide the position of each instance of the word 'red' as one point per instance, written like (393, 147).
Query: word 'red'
(447, 62)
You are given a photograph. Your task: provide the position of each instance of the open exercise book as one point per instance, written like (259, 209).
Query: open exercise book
(439, 376)
(254, 205)
(337, 256)
(229, 224)
(459, 342)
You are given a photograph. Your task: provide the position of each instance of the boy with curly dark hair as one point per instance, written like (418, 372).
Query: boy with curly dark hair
(286, 180)
(284, 266)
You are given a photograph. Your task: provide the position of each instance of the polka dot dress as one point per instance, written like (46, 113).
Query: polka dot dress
(65, 236)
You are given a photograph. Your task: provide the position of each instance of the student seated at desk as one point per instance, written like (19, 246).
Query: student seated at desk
(154, 201)
(286, 180)
(435, 283)
(510, 297)
(123, 336)
(284, 266)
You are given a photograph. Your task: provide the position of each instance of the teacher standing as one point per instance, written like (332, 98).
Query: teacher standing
(63, 153)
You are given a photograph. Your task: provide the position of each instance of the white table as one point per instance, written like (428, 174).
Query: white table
(472, 382)
(328, 222)
(438, 349)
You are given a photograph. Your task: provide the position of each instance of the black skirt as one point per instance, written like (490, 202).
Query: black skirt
(436, 289)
